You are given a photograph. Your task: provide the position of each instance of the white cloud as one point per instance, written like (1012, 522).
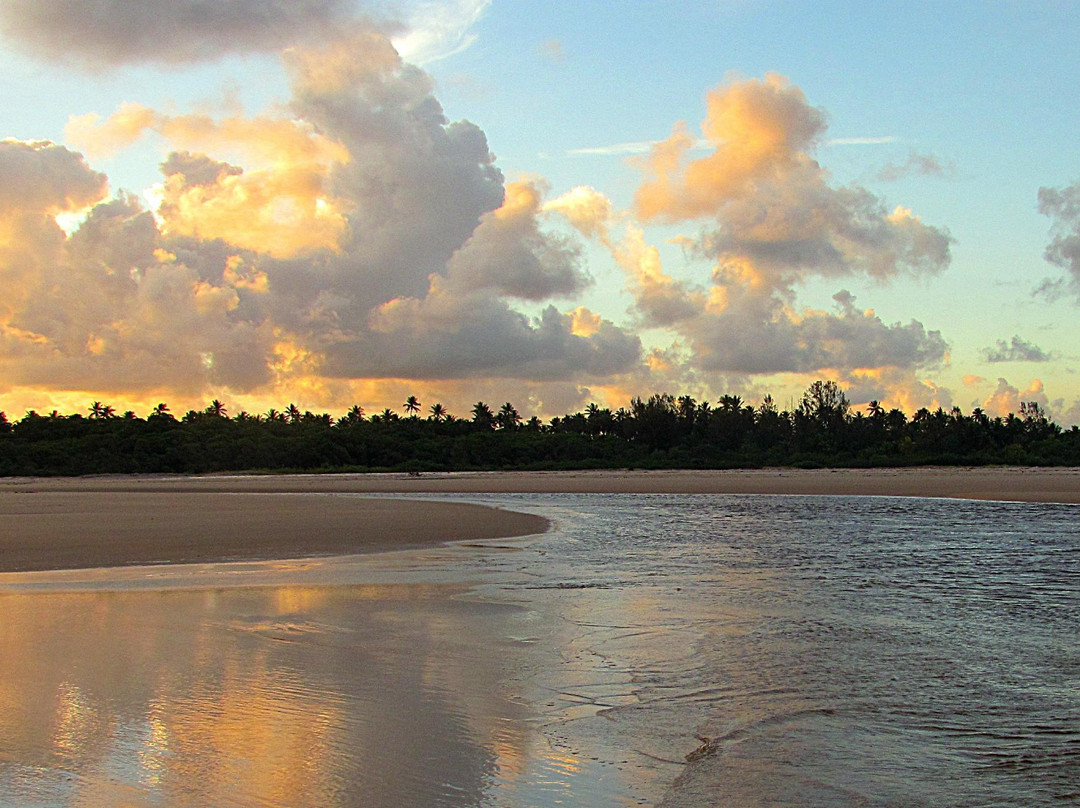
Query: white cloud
(437, 30)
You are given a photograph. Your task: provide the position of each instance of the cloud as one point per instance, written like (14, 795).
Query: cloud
(759, 129)
(924, 165)
(39, 181)
(103, 138)
(279, 204)
(1017, 350)
(588, 210)
(108, 33)
(1062, 205)
(756, 334)
(895, 388)
(358, 235)
(508, 254)
(861, 141)
(770, 203)
(1007, 399)
(43, 177)
(770, 221)
(446, 336)
(630, 148)
(437, 30)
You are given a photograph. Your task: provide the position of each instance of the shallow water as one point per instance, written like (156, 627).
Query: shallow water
(660, 649)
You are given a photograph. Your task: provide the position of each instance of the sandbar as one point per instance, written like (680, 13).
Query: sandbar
(57, 529)
(71, 523)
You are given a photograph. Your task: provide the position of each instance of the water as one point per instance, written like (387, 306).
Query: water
(661, 649)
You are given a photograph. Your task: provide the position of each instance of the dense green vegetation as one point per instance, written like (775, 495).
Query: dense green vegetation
(660, 432)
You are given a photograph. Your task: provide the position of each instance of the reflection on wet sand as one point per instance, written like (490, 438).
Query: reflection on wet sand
(279, 696)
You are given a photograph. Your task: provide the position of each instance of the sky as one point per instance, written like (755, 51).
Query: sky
(329, 202)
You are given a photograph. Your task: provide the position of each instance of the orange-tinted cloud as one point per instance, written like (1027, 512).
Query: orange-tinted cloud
(1007, 398)
(758, 129)
(103, 137)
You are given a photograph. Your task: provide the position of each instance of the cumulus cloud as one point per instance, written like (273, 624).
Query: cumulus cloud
(771, 220)
(355, 233)
(360, 234)
(1062, 205)
(772, 208)
(1007, 398)
(895, 388)
(449, 336)
(588, 210)
(46, 178)
(755, 334)
(38, 182)
(508, 253)
(1016, 350)
(105, 33)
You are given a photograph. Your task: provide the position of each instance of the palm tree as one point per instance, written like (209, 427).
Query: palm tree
(293, 414)
(481, 415)
(733, 403)
(99, 411)
(161, 410)
(217, 409)
(412, 405)
(508, 417)
(438, 412)
(687, 408)
(354, 416)
(273, 415)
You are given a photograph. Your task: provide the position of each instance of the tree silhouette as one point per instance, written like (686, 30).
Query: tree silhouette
(354, 416)
(482, 415)
(412, 405)
(650, 433)
(216, 409)
(687, 409)
(100, 412)
(508, 417)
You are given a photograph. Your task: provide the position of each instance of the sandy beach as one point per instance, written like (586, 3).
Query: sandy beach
(59, 529)
(72, 523)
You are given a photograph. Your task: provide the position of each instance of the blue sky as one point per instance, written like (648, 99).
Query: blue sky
(956, 113)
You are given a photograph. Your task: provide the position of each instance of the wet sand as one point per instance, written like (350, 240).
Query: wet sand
(59, 529)
(72, 523)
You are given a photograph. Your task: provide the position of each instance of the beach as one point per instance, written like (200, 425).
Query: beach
(67, 523)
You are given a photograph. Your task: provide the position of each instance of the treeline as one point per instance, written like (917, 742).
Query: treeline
(662, 431)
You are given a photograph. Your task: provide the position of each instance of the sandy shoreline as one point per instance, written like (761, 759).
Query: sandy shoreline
(1016, 484)
(53, 530)
(71, 523)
